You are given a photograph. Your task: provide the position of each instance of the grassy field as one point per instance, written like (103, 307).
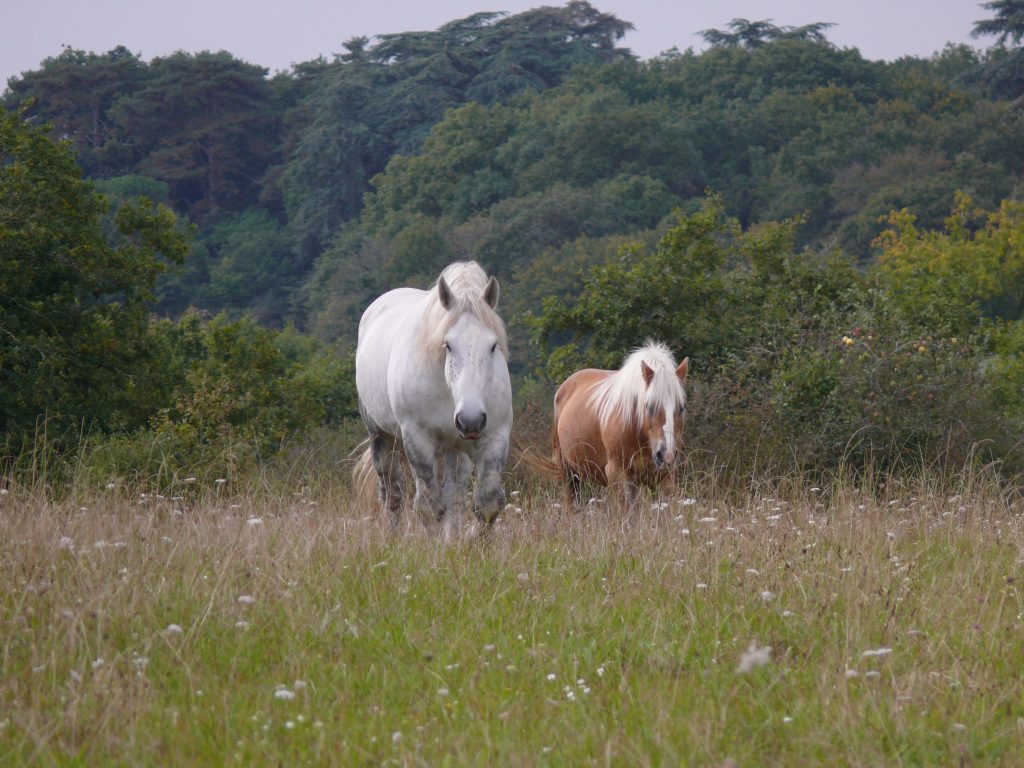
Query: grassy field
(819, 627)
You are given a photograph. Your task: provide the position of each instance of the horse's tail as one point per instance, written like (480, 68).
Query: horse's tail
(364, 477)
(549, 467)
(545, 466)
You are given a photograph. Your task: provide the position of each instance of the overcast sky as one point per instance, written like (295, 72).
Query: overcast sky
(277, 34)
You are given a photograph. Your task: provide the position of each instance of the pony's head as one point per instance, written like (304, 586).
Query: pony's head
(646, 394)
(461, 325)
(664, 411)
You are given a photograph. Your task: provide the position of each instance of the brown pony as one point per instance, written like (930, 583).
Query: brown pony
(623, 427)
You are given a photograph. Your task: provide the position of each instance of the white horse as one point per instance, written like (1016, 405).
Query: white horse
(433, 384)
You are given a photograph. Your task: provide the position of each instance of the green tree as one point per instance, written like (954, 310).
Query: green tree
(1008, 24)
(74, 313)
(379, 101)
(203, 124)
(754, 34)
(1002, 73)
(949, 279)
(75, 92)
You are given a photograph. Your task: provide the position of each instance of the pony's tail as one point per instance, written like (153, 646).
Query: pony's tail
(364, 478)
(545, 466)
(549, 467)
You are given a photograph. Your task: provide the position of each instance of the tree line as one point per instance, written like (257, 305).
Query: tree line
(537, 145)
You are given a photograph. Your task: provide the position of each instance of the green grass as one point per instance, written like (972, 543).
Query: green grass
(597, 637)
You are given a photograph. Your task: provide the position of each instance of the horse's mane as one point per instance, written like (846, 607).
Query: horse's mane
(625, 394)
(467, 281)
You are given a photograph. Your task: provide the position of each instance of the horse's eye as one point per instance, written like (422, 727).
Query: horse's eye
(494, 346)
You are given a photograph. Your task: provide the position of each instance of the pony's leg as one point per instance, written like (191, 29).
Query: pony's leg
(618, 481)
(573, 487)
(489, 496)
(667, 485)
(422, 455)
(457, 467)
(387, 460)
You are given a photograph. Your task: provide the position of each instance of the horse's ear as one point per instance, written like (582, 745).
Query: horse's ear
(647, 372)
(683, 369)
(491, 293)
(444, 293)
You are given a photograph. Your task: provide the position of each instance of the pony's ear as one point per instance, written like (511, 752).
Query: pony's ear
(444, 293)
(683, 369)
(647, 372)
(491, 293)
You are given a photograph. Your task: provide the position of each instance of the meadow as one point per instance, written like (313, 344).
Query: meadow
(853, 624)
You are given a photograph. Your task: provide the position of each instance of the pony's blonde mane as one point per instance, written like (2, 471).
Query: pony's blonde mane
(625, 395)
(466, 281)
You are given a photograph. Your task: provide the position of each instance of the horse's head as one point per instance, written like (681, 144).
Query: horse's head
(663, 419)
(471, 349)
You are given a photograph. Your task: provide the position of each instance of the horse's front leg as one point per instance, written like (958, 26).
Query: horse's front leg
(667, 485)
(489, 496)
(618, 481)
(457, 467)
(422, 455)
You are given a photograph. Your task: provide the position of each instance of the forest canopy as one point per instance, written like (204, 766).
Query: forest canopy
(755, 204)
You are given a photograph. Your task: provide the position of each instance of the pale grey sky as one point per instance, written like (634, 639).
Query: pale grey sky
(275, 35)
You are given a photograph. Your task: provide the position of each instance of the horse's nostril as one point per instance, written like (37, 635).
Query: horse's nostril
(659, 457)
(473, 425)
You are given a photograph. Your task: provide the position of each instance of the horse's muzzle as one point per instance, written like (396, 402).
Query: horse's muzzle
(663, 459)
(470, 427)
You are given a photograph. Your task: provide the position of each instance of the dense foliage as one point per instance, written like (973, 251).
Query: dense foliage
(802, 361)
(577, 173)
(80, 353)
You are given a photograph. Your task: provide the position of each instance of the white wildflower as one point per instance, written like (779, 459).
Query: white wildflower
(877, 652)
(65, 543)
(284, 694)
(246, 599)
(174, 629)
(755, 656)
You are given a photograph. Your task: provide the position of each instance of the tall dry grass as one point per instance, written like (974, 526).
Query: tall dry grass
(853, 624)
